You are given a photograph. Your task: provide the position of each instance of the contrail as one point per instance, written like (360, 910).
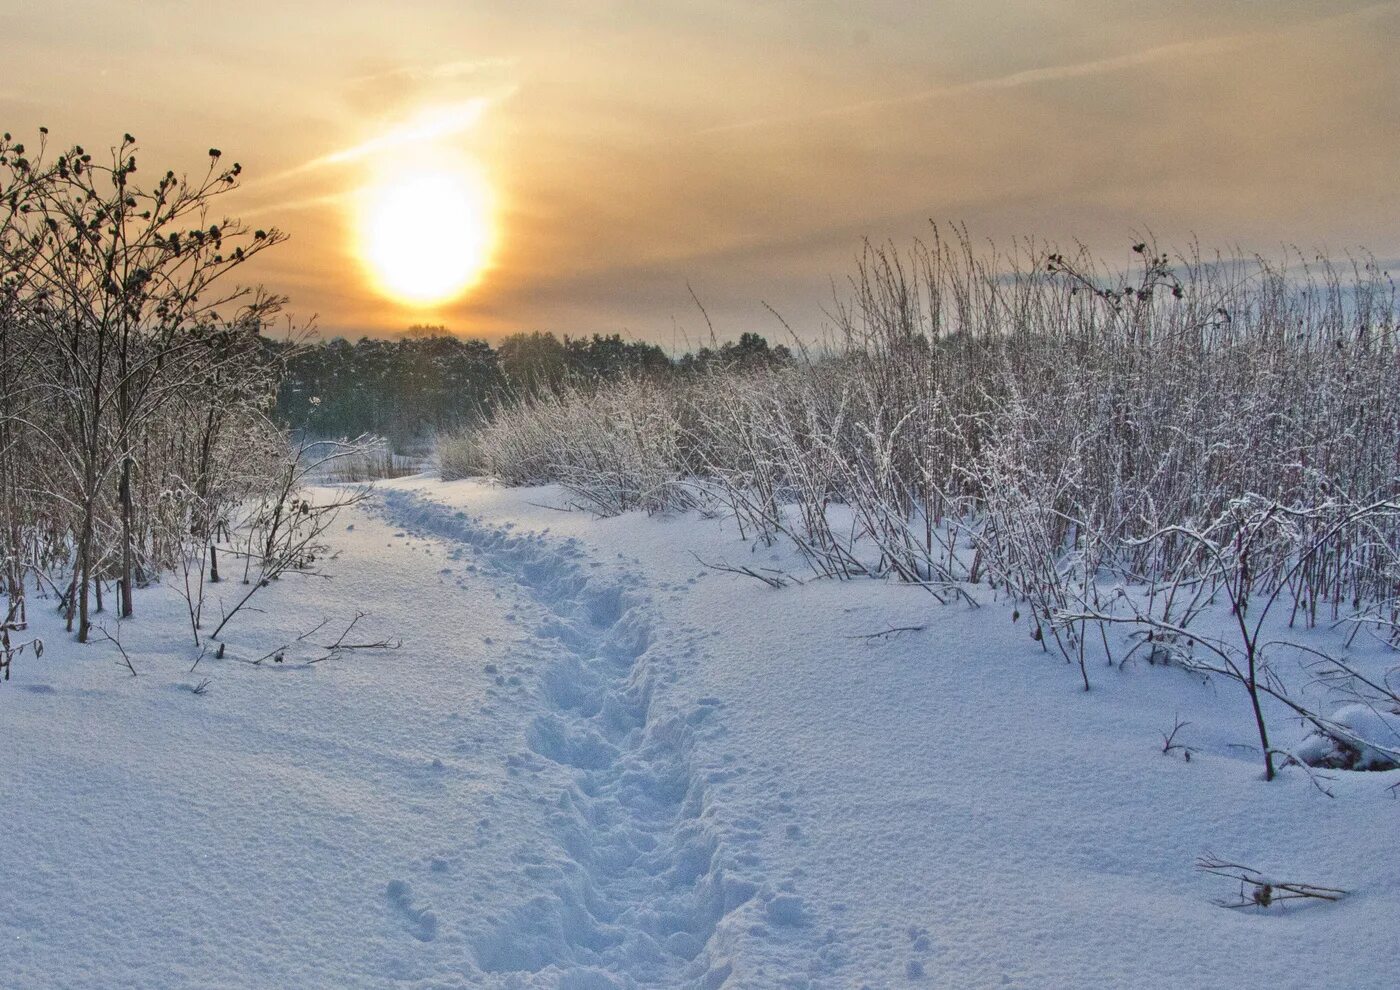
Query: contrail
(307, 203)
(434, 124)
(442, 71)
(439, 122)
(1052, 73)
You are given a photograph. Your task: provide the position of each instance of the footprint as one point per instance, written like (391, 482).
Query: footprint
(788, 910)
(422, 923)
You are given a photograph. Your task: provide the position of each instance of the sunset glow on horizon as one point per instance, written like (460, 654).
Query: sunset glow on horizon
(633, 152)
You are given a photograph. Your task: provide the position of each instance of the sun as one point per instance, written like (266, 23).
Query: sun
(426, 234)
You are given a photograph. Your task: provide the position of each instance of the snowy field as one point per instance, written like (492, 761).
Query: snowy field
(597, 763)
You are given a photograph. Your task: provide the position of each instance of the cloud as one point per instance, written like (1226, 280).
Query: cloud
(1046, 74)
(438, 122)
(287, 206)
(386, 91)
(442, 72)
(431, 124)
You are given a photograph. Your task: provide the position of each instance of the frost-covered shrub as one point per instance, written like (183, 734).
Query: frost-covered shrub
(1047, 427)
(971, 393)
(459, 454)
(1358, 737)
(135, 382)
(372, 459)
(617, 448)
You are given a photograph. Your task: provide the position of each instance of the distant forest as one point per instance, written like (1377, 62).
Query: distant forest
(429, 379)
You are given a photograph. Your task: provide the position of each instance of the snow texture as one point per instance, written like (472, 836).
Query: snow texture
(597, 764)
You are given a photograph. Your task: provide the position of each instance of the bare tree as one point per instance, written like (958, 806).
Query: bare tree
(122, 284)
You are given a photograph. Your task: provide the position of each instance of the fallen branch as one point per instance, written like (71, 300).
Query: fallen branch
(277, 653)
(1256, 890)
(774, 578)
(889, 633)
(339, 646)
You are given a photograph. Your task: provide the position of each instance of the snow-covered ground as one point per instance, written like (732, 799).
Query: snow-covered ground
(596, 763)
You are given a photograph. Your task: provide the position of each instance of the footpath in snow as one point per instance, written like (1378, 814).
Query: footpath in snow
(596, 763)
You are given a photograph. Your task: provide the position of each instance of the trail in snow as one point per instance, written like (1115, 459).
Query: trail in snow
(638, 884)
(595, 764)
(510, 800)
(951, 809)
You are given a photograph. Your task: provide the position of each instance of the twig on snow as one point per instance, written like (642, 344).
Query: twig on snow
(773, 578)
(1257, 890)
(889, 633)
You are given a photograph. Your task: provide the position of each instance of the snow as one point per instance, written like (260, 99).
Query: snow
(596, 763)
(1362, 724)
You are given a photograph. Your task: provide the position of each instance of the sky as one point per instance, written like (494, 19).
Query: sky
(633, 152)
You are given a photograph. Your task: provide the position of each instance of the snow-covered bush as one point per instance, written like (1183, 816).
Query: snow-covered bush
(134, 379)
(1131, 402)
(459, 454)
(1359, 737)
(372, 459)
(1039, 423)
(616, 449)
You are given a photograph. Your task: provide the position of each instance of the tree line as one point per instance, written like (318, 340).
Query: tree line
(429, 380)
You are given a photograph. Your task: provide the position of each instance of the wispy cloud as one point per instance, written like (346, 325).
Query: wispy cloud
(442, 72)
(432, 124)
(288, 206)
(1045, 74)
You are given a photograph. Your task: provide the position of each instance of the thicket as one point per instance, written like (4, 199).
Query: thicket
(1104, 447)
(136, 388)
(147, 409)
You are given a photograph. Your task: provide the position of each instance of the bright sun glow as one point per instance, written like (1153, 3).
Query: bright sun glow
(426, 234)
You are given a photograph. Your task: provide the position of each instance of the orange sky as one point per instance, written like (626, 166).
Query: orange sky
(742, 146)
